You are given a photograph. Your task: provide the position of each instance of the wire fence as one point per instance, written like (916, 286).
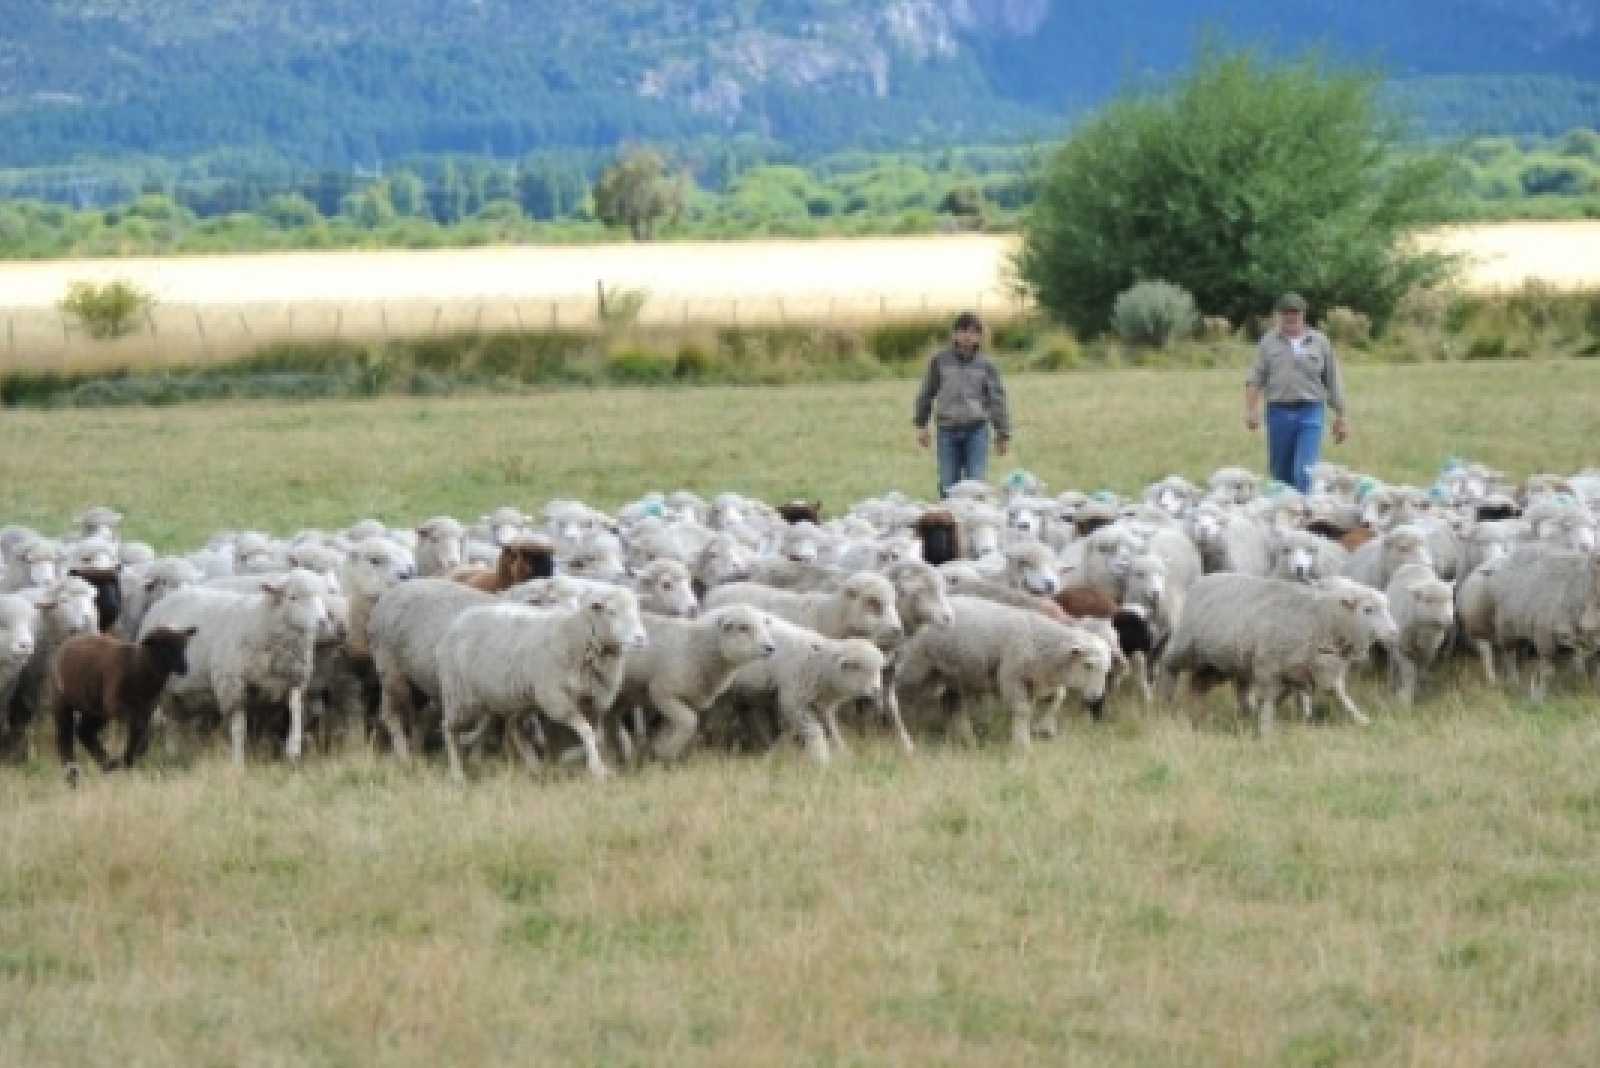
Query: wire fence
(190, 334)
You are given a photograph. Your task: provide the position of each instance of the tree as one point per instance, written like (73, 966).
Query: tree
(637, 192)
(1244, 180)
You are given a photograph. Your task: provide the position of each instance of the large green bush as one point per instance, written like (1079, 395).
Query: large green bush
(1241, 181)
(112, 309)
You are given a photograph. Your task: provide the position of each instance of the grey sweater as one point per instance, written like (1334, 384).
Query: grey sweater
(966, 390)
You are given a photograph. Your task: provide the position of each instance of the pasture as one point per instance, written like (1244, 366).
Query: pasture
(1425, 891)
(216, 307)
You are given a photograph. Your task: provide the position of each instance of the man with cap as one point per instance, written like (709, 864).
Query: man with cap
(1297, 373)
(964, 385)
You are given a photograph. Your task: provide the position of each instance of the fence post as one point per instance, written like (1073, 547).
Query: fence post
(245, 324)
(883, 306)
(291, 321)
(517, 311)
(383, 320)
(150, 321)
(338, 321)
(555, 315)
(200, 328)
(11, 336)
(783, 316)
(735, 311)
(438, 310)
(477, 321)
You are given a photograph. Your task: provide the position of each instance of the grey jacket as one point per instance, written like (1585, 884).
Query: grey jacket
(967, 390)
(1286, 377)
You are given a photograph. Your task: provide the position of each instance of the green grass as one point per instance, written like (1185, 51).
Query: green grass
(1137, 892)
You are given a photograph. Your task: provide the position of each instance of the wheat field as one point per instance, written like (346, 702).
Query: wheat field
(1140, 892)
(215, 307)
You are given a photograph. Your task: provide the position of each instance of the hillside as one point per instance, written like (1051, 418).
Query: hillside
(325, 81)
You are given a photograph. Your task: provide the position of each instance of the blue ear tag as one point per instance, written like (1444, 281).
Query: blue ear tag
(1016, 479)
(1364, 487)
(1439, 493)
(653, 508)
(1103, 496)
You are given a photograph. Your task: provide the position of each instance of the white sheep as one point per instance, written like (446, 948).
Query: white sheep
(440, 546)
(687, 664)
(1031, 567)
(1271, 637)
(144, 586)
(1018, 655)
(63, 609)
(247, 645)
(1549, 600)
(371, 567)
(508, 660)
(1423, 608)
(864, 607)
(1301, 556)
(1229, 540)
(19, 627)
(1375, 563)
(404, 632)
(808, 678)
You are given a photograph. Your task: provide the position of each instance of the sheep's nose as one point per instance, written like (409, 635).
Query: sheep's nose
(768, 649)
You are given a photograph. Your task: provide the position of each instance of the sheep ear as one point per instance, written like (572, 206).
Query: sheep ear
(189, 632)
(1350, 601)
(149, 585)
(272, 590)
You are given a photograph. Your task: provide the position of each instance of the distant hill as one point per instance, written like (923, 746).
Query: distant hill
(335, 81)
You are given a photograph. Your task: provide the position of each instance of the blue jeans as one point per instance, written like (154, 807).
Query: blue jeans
(1294, 441)
(963, 453)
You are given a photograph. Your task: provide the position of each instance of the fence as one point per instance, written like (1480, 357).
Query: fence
(187, 334)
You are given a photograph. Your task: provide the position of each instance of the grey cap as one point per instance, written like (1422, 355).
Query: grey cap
(1292, 302)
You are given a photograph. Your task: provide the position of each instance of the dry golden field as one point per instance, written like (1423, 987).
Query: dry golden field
(212, 307)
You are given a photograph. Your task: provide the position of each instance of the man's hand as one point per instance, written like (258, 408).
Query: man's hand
(924, 438)
(1341, 429)
(1252, 420)
(1002, 446)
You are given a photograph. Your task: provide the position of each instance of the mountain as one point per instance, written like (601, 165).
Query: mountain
(326, 81)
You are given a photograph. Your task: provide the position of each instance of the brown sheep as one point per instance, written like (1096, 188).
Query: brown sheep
(1083, 602)
(1358, 537)
(801, 512)
(99, 678)
(520, 561)
(939, 534)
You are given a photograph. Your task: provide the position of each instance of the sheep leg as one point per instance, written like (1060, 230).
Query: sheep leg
(1140, 662)
(523, 745)
(452, 748)
(89, 729)
(239, 732)
(585, 732)
(65, 734)
(1264, 698)
(1343, 697)
(1405, 670)
(679, 730)
(297, 724)
(814, 739)
(1021, 724)
(891, 708)
(1539, 678)
(830, 720)
(138, 740)
(394, 709)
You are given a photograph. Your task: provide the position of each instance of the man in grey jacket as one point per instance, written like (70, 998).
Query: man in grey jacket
(964, 385)
(1297, 373)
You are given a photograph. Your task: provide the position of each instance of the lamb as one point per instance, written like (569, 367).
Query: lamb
(1107, 556)
(62, 610)
(519, 561)
(1423, 608)
(1234, 485)
(1548, 599)
(995, 649)
(687, 664)
(34, 562)
(666, 588)
(864, 607)
(720, 560)
(98, 678)
(1475, 608)
(440, 546)
(1271, 636)
(1375, 563)
(1301, 556)
(99, 522)
(507, 660)
(810, 677)
(247, 645)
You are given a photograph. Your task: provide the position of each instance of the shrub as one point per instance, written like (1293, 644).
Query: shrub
(1215, 328)
(1245, 179)
(1154, 313)
(1348, 326)
(899, 342)
(109, 310)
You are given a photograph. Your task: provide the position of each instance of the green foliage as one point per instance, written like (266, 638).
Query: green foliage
(907, 340)
(1244, 180)
(637, 192)
(1154, 313)
(109, 310)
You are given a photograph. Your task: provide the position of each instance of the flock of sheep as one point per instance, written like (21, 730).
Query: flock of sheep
(618, 638)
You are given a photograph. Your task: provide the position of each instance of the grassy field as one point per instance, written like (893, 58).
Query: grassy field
(216, 307)
(1138, 892)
